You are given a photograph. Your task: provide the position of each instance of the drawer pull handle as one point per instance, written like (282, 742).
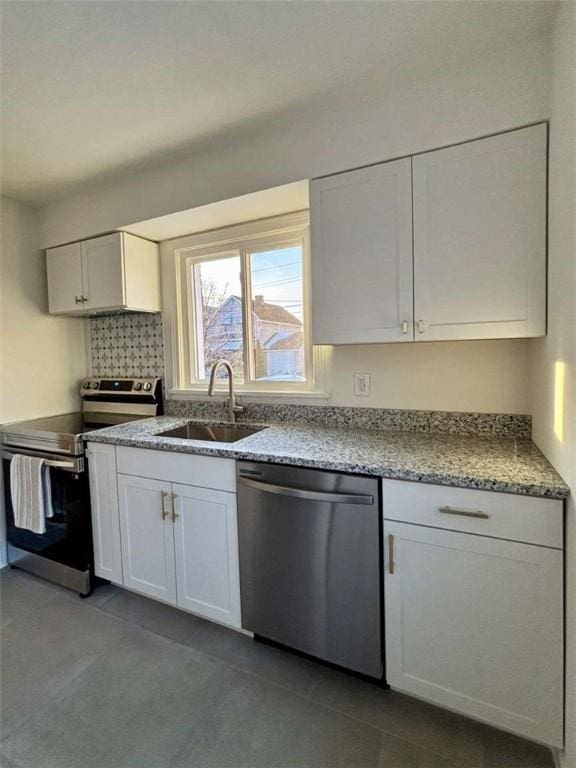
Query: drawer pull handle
(464, 512)
(391, 563)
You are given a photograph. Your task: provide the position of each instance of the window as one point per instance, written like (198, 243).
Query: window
(277, 306)
(242, 296)
(217, 306)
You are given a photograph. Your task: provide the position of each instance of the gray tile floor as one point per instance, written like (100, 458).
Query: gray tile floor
(119, 681)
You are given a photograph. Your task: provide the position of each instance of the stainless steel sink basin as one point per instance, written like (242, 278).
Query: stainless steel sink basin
(211, 432)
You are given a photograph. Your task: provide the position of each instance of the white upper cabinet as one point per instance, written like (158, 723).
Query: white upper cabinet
(449, 244)
(65, 286)
(103, 272)
(361, 230)
(113, 272)
(480, 238)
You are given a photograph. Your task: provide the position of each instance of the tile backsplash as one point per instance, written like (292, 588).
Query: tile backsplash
(127, 345)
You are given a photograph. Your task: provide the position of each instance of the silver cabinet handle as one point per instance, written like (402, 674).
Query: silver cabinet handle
(175, 515)
(421, 327)
(165, 501)
(83, 299)
(301, 493)
(464, 512)
(404, 326)
(391, 563)
(78, 299)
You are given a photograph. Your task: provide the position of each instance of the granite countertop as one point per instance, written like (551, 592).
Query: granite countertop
(509, 465)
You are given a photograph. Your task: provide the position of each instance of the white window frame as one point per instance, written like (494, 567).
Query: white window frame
(178, 313)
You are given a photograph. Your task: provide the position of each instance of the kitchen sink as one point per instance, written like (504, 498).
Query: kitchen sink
(211, 432)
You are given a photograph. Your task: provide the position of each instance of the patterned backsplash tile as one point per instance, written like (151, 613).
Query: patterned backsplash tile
(127, 345)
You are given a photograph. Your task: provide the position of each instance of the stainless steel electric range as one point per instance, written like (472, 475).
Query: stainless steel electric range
(64, 553)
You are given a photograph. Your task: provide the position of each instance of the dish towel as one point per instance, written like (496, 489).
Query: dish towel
(30, 492)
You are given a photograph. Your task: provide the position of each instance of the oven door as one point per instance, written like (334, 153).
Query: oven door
(68, 537)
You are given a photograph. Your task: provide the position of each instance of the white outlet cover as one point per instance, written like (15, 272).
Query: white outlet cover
(362, 384)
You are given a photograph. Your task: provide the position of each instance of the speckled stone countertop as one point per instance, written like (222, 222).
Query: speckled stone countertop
(510, 465)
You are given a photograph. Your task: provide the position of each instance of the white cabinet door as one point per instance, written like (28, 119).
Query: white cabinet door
(475, 624)
(64, 266)
(361, 229)
(105, 516)
(147, 537)
(480, 238)
(103, 272)
(206, 538)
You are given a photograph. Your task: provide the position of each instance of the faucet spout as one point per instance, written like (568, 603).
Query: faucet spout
(233, 406)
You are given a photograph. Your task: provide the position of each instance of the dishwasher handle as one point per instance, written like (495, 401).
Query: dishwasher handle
(301, 493)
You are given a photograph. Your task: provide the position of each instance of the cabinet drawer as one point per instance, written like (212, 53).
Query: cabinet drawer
(500, 515)
(203, 471)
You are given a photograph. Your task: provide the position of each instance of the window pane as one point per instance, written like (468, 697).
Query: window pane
(218, 315)
(277, 315)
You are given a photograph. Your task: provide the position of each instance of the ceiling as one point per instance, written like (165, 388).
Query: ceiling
(93, 88)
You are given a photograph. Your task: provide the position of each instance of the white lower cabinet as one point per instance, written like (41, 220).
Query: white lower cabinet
(475, 624)
(473, 582)
(164, 538)
(206, 538)
(147, 537)
(105, 517)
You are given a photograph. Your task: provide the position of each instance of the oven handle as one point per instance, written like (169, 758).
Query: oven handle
(73, 465)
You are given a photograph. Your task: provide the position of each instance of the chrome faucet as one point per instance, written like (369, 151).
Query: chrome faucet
(233, 406)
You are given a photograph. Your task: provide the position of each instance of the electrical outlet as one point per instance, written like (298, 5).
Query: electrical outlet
(362, 384)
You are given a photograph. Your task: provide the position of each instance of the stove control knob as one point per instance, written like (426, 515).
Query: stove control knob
(137, 386)
(95, 385)
(147, 386)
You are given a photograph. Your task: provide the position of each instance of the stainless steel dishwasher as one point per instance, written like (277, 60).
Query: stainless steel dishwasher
(310, 572)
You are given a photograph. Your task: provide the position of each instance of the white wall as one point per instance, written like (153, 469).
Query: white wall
(379, 118)
(42, 358)
(481, 376)
(372, 122)
(554, 358)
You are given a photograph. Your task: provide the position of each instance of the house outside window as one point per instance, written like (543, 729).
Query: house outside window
(279, 347)
(242, 294)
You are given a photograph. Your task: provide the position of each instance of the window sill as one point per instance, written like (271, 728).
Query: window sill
(249, 395)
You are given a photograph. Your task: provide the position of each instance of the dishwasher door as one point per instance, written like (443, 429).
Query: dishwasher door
(310, 562)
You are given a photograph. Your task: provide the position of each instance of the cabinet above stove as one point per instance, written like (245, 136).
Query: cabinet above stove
(114, 273)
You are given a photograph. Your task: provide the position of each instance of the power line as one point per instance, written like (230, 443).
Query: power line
(277, 282)
(276, 266)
